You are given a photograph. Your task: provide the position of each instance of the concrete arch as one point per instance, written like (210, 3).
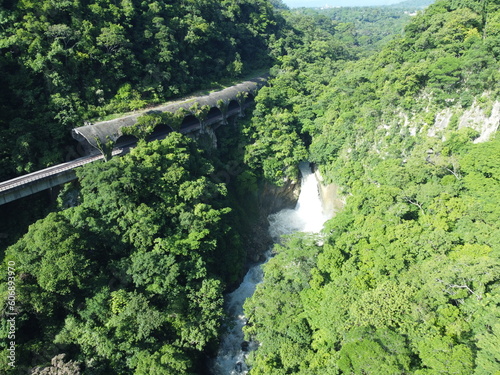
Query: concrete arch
(90, 136)
(214, 113)
(102, 132)
(233, 105)
(159, 131)
(189, 124)
(125, 140)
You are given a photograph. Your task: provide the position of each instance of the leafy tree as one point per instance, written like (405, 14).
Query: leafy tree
(374, 352)
(406, 277)
(127, 279)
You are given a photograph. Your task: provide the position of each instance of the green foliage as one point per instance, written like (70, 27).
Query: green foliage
(200, 112)
(66, 63)
(274, 310)
(370, 27)
(147, 123)
(367, 351)
(52, 259)
(128, 279)
(277, 139)
(169, 360)
(406, 280)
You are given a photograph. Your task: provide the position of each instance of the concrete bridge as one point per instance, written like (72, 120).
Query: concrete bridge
(219, 106)
(201, 115)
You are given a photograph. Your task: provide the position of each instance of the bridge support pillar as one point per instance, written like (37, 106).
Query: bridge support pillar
(207, 138)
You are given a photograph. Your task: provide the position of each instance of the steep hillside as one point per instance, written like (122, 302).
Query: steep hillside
(406, 279)
(66, 62)
(413, 4)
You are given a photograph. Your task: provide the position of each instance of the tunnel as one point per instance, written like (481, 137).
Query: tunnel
(160, 131)
(190, 123)
(126, 140)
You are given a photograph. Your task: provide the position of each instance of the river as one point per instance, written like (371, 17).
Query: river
(307, 216)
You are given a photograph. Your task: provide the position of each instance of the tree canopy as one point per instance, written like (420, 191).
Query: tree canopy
(405, 279)
(131, 279)
(65, 63)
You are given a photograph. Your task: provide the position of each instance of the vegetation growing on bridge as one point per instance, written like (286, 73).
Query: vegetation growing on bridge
(66, 62)
(406, 280)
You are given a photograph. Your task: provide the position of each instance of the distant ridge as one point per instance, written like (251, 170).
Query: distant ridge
(412, 4)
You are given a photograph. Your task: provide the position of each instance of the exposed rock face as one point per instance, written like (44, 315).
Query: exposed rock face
(483, 116)
(271, 199)
(441, 122)
(478, 119)
(275, 198)
(484, 121)
(330, 195)
(59, 367)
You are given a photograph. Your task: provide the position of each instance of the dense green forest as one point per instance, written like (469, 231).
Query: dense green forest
(366, 29)
(406, 278)
(419, 4)
(130, 279)
(66, 62)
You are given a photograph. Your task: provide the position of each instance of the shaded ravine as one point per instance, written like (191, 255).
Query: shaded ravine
(307, 216)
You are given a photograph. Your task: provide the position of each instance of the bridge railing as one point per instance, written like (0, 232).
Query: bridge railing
(10, 189)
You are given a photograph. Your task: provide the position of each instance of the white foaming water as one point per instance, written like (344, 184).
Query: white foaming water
(307, 216)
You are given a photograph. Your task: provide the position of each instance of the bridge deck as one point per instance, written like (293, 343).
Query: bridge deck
(43, 179)
(31, 183)
(101, 132)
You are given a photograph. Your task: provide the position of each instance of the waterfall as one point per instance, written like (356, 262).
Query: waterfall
(307, 216)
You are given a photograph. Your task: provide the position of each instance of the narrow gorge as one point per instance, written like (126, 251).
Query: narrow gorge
(308, 216)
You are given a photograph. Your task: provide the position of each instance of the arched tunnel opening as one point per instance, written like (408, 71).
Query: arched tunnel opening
(126, 140)
(213, 113)
(190, 123)
(160, 131)
(78, 149)
(233, 105)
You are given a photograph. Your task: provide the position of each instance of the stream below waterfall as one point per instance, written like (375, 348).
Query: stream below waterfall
(307, 216)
